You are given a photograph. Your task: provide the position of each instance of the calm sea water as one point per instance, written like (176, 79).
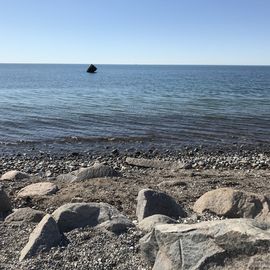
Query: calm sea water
(176, 104)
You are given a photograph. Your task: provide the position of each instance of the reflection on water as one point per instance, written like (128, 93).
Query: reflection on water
(182, 104)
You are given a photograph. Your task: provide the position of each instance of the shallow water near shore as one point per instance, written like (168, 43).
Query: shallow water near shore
(63, 106)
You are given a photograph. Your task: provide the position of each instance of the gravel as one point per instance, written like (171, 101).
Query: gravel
(51, 164)
(87, 248)
(91, 248)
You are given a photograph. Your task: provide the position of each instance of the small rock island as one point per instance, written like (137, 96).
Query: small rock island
(91, 69)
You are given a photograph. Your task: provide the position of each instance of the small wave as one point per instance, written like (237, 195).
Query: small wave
(77, 139)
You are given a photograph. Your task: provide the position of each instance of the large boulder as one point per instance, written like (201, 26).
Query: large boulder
(151, 202)
(149, 223)
(204, 245)
(38, 190)
(78, 215)
(98, 170)
(5, 204)
(14, 175)
(25, 215)
(45, 235)
(232, 203)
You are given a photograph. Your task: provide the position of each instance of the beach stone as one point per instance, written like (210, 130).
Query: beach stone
(67, 177)
(98, 170)
(149, 247)
(78, 215)
(259, 262)
(38, 189)
(45, 235)
(148, 223)
(25, 215)
(151, 202)
(5, 204)
(232, 203)
(117, 225)
(153, 163)
(204, 245)
(172, 183)
(14, 175)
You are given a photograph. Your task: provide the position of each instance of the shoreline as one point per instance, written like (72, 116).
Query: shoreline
(54, 161)
(203, 170)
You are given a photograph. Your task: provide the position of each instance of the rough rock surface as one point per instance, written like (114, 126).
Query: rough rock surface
(153, 163)
(206, 244)
(14, 175)
(5, 204)
(151, 202)
(78, 215)
(117, 225)
(148, 223)
(26, 214)
(38, 189)
(232, 203)
(259, 262)
(45, 235)
(96, 171)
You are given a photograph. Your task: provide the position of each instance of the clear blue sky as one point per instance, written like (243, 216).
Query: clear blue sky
(135, 31)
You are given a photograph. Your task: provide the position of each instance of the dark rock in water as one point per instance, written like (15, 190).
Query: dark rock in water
(91, 69)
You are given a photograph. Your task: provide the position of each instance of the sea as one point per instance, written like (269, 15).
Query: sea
(63, 106)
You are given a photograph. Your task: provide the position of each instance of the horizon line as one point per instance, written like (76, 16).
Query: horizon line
(131, 64)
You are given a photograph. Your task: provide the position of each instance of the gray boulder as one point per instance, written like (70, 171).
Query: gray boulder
(25, 215)
(117, 225)
(148, 223)
(149, 247)
(232, 203)
(45, 235)
(5, 204)
(96, 171)
(78, 215)
(14, 175)
(153, 163)
(150, 202)
(38, 190)
(204, 245)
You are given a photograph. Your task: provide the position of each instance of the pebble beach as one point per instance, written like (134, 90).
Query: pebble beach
(184, 175)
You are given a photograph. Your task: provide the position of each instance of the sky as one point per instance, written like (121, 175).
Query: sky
(229, 32)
